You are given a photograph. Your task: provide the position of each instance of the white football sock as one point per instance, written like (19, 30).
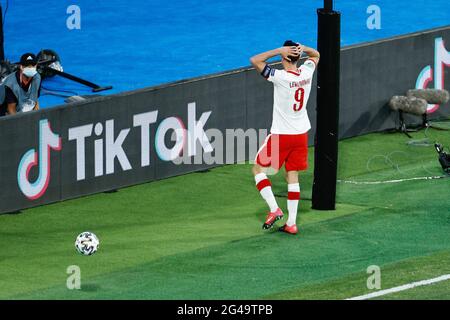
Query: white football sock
(292, 202)
(265, 189)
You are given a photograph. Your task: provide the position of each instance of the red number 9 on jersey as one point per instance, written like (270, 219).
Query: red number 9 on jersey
(299, 95)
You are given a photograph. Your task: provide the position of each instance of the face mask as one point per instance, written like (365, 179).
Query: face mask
(29, 72)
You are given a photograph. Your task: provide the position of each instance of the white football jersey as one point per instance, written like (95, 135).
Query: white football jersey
(290, 96)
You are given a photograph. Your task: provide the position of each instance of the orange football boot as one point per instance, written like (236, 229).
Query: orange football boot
(291, 230)
(272, 217)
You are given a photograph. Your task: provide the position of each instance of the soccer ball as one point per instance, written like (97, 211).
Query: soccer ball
(87, 243)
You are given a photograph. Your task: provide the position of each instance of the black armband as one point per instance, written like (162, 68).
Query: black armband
(267, 71)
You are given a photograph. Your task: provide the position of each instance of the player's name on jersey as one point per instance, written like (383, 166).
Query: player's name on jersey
(297, 84)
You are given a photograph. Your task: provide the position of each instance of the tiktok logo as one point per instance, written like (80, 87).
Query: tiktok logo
(47, 140)
(441, 59)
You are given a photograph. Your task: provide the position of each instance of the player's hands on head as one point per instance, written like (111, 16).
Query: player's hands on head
(300, 48)
(290, 51)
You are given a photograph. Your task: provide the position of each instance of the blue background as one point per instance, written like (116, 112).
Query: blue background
(134, 44)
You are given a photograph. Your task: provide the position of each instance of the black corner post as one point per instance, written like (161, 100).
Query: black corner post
(326, 139)
(2, 49)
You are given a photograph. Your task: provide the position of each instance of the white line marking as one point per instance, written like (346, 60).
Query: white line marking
(391, 181)
(401, 288)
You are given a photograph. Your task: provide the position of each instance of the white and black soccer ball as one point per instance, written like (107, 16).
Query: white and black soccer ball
(87, 243)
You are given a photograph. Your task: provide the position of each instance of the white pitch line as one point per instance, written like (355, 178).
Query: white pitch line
(401, 288)
(391, 181)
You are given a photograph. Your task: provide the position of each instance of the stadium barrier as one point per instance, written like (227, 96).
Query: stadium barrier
(120, 140)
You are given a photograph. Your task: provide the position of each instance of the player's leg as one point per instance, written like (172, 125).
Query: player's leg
(264, 187)
(293, 197)
(296, 161)
(267, 157)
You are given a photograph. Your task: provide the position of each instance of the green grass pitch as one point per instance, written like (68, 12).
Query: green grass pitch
(199, 236)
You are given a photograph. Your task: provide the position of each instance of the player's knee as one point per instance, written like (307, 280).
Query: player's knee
(292, 177)
(256, 169)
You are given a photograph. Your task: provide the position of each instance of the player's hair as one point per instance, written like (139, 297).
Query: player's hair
(290, 43)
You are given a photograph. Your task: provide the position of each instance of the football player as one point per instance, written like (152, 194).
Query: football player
(287, 143)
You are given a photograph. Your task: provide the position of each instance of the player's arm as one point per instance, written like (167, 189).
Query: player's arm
(12, 108)
(313, 54)
(37, 106)
(11, 101)
(259, 61)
